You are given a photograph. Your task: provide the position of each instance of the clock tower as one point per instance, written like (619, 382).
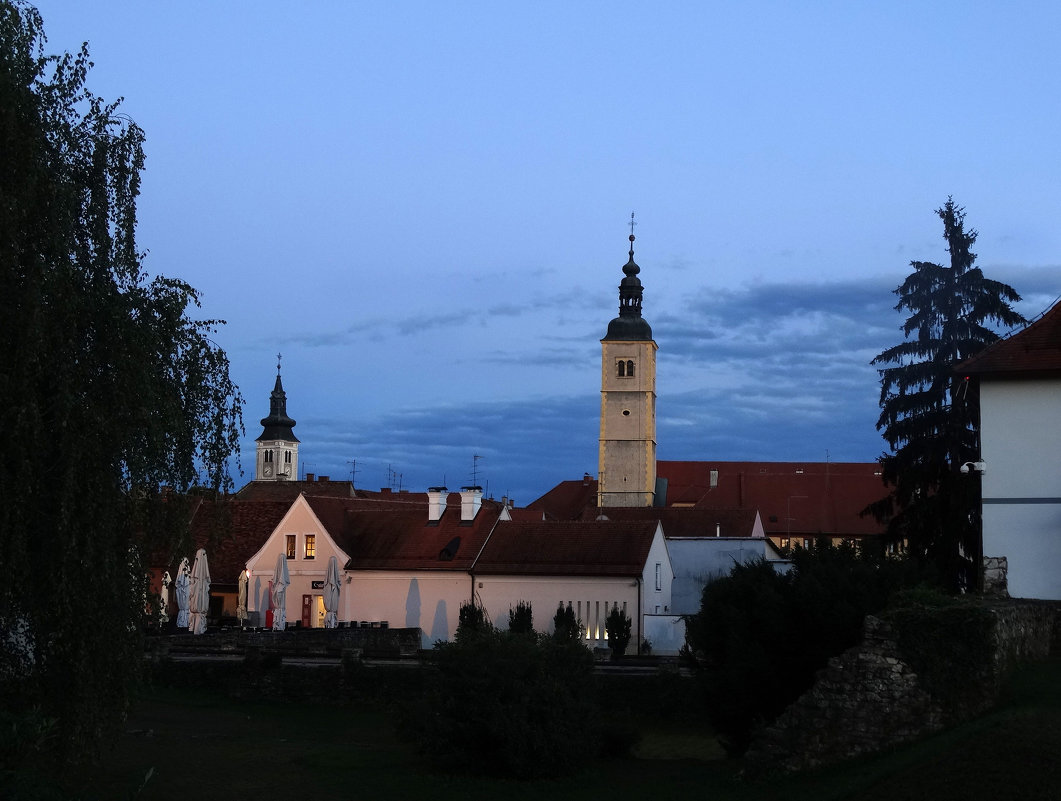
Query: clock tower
(277, 457)
(627, 462)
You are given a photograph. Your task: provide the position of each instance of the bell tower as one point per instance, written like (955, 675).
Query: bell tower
(277, 456)
(627, 461)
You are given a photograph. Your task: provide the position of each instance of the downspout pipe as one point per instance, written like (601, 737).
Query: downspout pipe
(639, 636)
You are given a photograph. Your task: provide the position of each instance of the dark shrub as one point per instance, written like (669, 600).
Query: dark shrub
(508, 705)
(566, 625)
(617, 624)
(760, 636)
(521, 619)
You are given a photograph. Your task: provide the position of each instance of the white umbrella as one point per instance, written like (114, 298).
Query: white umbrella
(280, 581)
(163, 612)
(199, 593)
(241, 606)
(184, 578)
(331, 594)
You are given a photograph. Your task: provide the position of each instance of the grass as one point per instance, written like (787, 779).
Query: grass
(213, 747)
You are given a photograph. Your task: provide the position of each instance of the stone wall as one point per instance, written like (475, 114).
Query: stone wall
(870, 698)
(368, 642)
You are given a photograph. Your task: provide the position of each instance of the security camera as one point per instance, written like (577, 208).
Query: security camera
(976, 467)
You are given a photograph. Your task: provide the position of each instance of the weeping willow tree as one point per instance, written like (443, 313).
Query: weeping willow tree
(926, 417)
(110, 389)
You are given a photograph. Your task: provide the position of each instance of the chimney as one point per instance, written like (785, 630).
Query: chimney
(323, 479)
(471, 500)
(436, 503)
(309, 478)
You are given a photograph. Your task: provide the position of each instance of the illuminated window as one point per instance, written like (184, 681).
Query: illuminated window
(290, 546)
(311, 546)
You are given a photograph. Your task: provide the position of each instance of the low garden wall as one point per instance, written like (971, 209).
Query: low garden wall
(916, 671)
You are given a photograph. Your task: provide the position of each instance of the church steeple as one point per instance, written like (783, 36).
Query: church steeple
(277, 457)
(627, 464)
(629, 325)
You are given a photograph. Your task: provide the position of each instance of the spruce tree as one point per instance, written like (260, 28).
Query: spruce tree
(927, 417)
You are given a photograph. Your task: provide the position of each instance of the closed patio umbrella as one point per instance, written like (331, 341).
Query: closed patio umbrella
(199, 593)
(241, 605)
(280, 581)
(163, 610)
(184, 579)
(331, 594)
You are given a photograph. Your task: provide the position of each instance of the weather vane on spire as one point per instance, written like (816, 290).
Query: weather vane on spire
(278, 364)
(632, 224)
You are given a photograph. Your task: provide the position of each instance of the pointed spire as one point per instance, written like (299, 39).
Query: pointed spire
(278, 425)
(629, 324)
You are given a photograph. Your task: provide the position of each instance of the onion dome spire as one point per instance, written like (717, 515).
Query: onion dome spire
(277, 426)
(629, 325)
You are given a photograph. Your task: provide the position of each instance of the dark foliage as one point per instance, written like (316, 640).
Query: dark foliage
(521, 618)
(566, 625)
(507, 704)
(760, 636)
(110, 391)
(929, 419)
(617, 625)
(471, 622)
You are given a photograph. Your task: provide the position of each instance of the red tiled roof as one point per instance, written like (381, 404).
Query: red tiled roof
(1033, 350)
(680, 522)
(569, 548)
(381, 534)
(799, 499)
(568, 500)
(289, 490)
(804, 499)
(231, 531)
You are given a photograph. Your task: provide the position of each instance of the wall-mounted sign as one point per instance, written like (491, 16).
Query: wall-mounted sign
(318, 585)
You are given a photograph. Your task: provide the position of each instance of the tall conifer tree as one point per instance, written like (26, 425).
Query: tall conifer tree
(929, 422)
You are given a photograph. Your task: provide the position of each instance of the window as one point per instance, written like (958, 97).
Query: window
(621, 367)
(269, 456)
(287, 457)
(659, 576)
(629, 368)
(624, 368)
(311, 546)
(786, 542)
(290, 546)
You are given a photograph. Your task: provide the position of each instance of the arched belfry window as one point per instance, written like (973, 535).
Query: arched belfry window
(622, 368)
(630, 368)
(268, 456)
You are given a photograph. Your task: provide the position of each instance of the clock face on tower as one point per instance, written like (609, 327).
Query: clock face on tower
(267, 470)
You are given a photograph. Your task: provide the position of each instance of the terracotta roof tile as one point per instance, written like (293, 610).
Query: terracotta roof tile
(1035, 349)
(382, 534)
(568, 548)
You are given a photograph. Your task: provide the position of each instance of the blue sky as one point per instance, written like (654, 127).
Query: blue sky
(423, 206)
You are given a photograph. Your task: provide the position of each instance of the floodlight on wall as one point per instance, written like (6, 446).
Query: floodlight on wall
(975, 467)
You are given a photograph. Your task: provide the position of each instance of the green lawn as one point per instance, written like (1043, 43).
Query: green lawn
(211, 747)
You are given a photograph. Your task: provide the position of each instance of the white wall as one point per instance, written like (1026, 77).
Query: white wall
(425, 599)
(1021, 448)
(299, 521)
